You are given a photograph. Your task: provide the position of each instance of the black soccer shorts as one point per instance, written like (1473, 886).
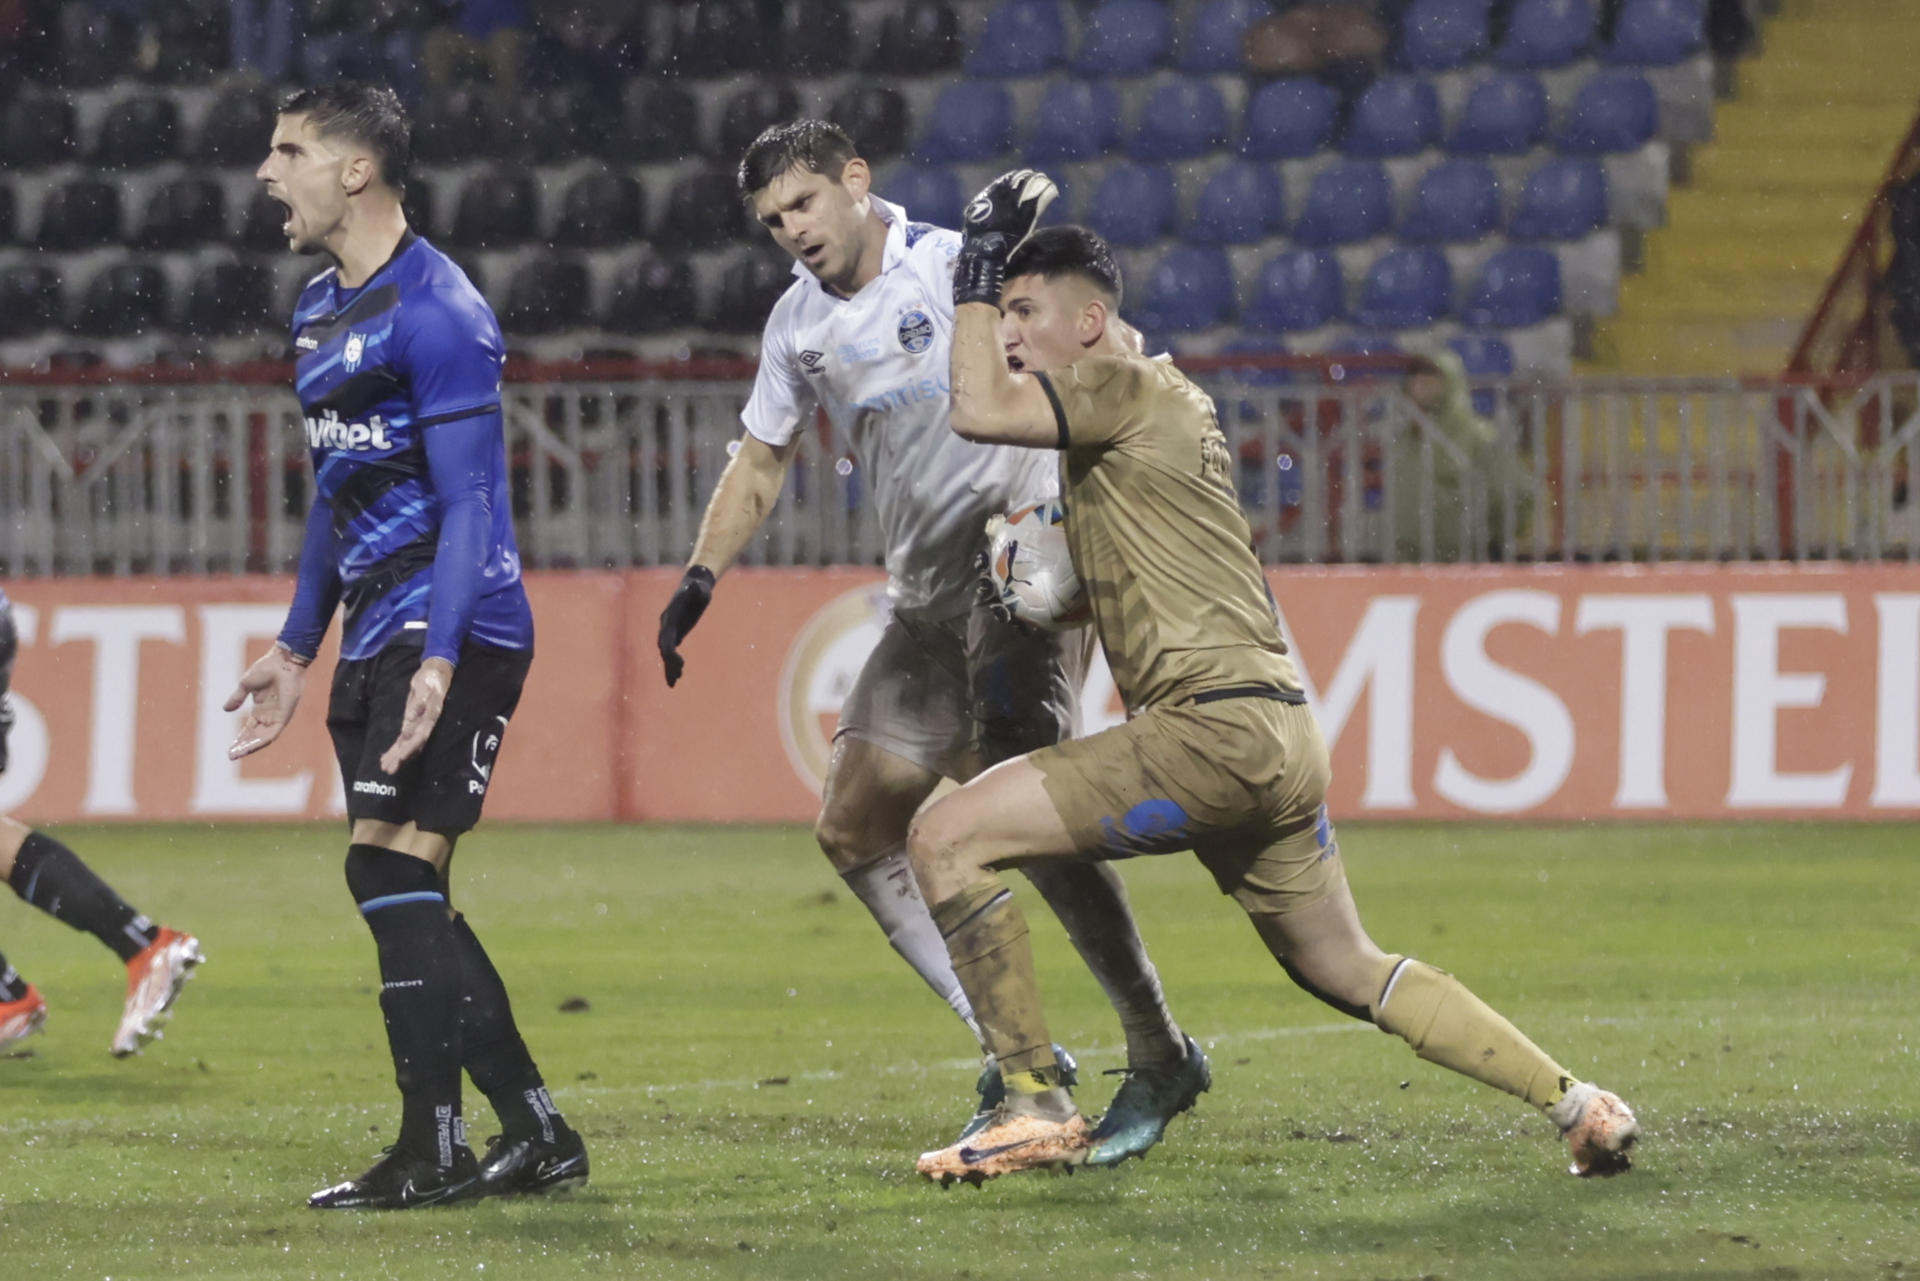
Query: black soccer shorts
(443, 787)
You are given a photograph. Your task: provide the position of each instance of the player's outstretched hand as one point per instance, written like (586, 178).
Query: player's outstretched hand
(996, 222)
(690, 600)
(274, 683)
(426, 695)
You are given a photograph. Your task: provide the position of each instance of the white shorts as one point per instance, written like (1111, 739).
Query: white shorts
(959, 694)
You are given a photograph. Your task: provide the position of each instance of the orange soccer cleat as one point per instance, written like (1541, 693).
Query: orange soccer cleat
(154, 979)
(21, 1019)
(1006, 1144)
(1599, 1129)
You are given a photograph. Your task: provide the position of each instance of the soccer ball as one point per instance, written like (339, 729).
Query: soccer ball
(1029, 571)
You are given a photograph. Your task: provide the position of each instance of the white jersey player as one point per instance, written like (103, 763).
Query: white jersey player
(864, 333)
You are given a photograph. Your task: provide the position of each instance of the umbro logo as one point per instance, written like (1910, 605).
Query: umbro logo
(810, 361)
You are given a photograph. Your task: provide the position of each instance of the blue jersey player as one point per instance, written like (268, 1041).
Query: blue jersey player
(411, 539)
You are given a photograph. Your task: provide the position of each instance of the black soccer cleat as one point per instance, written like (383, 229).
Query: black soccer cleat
(402, 1181)
(514, 1167)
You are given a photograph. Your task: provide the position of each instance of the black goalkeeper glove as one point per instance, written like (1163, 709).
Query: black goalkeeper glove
(997, 222)
(690, 600)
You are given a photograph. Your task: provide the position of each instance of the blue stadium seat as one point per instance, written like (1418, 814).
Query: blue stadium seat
(1613, 111)
(240, 117)
(123, 299)
(876, 117)
(1505, 115)
(602, 207)
(1349, 200)
(916, 39)
(1298, 289)
(1288, 119)
(749, 113)
(228, 298)
(1518, 286)
(661, 122)
(138, 131)
(84, 213)
(1457, 201)
(971, 120)
(1483, 355)
(753, 282)
(717, 37)
(816, 38)
(183, 212)
(1211, 40)
(931, 194)
(1394, 116)
(1189, 288)
(704, 211)
(1564, 199)
(1657, 33)
(1406, 289)
(1133, 204)
(40, 129)
(1076, 120)
(1546, 33)
(1124, 38)
(650, 295)
(547, 294)
(1179, 120)
(1439, 35)
(496, 209)
(30, 298)
(1020, 38)
(1241, 203)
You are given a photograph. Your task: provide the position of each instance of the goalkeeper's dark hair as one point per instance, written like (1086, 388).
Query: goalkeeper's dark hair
(818, 146)
(1068, 251)
(370, 115)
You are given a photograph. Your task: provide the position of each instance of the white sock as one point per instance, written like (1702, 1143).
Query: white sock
(887, 887)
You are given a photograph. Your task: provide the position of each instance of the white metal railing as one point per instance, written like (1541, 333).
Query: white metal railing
(135, 478)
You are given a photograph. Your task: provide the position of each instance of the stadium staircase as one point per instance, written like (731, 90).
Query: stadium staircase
(1775, 197)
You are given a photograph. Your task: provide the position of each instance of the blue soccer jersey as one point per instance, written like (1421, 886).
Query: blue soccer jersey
(411, 528)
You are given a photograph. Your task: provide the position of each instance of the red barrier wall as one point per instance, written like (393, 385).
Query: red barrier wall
(1550, 693)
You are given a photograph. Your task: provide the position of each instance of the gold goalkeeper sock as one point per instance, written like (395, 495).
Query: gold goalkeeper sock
(1446, 1024)
(986, 936)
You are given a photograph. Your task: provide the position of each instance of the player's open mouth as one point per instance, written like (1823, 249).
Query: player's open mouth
(812, 255)
(1016, 364)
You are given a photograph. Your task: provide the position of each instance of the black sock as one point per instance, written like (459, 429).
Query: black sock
(52, 878)
(12, 986)
(401, 900)
(495, 1056)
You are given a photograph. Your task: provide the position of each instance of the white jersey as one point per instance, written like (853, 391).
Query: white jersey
(877, 363)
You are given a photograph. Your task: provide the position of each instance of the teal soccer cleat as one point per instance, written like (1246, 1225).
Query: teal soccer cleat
(993, 1090)
(1149, 1098)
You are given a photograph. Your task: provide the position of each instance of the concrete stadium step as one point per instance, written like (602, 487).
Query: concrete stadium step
(1775, 198)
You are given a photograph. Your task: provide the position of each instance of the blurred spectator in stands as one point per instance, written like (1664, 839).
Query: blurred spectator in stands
(598, 42)
(1903, 273)
(375, 40)
(483, 40)
(1340, 44)
(1730, 27)
(1465, 447)
(261, 36)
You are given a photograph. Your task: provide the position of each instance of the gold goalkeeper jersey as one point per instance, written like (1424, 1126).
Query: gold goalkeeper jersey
(1157, 535)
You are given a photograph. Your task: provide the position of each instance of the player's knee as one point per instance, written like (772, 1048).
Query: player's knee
(374, 873)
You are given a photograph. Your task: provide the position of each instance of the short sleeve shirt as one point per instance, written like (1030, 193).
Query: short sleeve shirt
(1157, 535)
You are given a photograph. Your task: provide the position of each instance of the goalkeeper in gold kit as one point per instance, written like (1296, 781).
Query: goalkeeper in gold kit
(1220, 754)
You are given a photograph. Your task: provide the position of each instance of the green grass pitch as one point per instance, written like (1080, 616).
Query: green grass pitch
(755, 1071)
